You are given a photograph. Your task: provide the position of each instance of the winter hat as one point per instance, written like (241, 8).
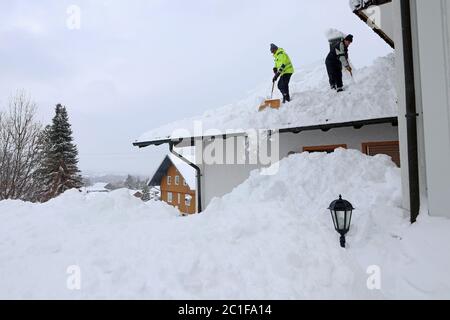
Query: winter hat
(273, 47)
(349, 38)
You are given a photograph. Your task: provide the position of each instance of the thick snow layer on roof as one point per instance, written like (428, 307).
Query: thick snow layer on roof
(188, 173)
(271, 238)
(371, 94)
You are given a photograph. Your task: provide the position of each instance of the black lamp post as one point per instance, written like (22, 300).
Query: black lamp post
(341, 212)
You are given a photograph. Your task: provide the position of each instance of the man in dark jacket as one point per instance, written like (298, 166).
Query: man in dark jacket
(336, 60)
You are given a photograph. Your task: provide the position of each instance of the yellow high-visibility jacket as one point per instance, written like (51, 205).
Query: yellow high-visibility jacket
(282, 62)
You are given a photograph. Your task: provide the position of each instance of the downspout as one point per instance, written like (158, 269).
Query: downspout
(198, 175)
(411, 112)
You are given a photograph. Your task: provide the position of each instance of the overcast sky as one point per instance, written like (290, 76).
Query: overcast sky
(137, 64)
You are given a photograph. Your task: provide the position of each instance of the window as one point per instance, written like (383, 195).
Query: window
(177, 180)
(169, 197)
(179, 199)
(169, 180)
(389, 148)
(184, 183)
(327, 149)
(187, 200)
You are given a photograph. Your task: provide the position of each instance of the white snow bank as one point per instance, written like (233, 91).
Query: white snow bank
(271, 238)
(97, 187)
(371, 94)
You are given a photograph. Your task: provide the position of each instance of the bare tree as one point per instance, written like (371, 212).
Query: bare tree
(19, 137)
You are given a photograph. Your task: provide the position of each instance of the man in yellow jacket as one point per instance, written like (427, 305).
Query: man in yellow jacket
(283, 70)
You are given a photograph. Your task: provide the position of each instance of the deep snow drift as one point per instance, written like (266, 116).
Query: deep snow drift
(271, 238)
(371, 94)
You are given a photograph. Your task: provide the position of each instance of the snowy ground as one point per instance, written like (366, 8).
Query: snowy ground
(271, 238)
(371, 94)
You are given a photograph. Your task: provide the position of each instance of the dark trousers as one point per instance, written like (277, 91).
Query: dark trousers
(334, 69)
(283, 85)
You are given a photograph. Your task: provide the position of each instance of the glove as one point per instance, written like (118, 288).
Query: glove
(276, 77)
(275, 70)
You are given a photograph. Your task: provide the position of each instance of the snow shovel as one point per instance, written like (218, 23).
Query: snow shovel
(353, 78)
(272, 103)
(351, 74)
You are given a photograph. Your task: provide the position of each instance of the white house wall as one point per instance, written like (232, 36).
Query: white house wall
(219, 180)
(353, 138)
(432, 48)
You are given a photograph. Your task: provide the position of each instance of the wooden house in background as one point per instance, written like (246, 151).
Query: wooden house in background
(176, 180)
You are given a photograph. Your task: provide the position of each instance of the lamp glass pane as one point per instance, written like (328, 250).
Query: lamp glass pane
(349, 219)
(340, 220)
(333, 215)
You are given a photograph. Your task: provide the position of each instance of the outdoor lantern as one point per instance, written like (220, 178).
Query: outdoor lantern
(341, 212)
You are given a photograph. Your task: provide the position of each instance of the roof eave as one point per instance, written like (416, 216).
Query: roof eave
(144, 144)
(373, 3)
(324, 127)
(355, 124)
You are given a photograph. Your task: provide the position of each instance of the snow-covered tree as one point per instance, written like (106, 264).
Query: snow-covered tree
(146, 194)
(134, 182)
(130, 182)
(40, 176)
(61, 164)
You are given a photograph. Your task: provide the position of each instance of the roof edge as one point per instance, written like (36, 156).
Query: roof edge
(356, 124)
(324, 127)
(370, 3)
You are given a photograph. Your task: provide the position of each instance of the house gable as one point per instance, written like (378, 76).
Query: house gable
(175, 189)
(176, 192)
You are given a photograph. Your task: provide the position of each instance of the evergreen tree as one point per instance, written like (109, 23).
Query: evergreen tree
(61, 164)
(146, 193)
(40, 176)
(130, 182)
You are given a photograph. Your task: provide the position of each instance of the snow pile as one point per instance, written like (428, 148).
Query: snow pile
(97, 187)
(271, 238)
(371, 94)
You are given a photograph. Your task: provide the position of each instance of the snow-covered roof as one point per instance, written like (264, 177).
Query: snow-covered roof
(187, 172)
(362, 4)
(370, 94)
